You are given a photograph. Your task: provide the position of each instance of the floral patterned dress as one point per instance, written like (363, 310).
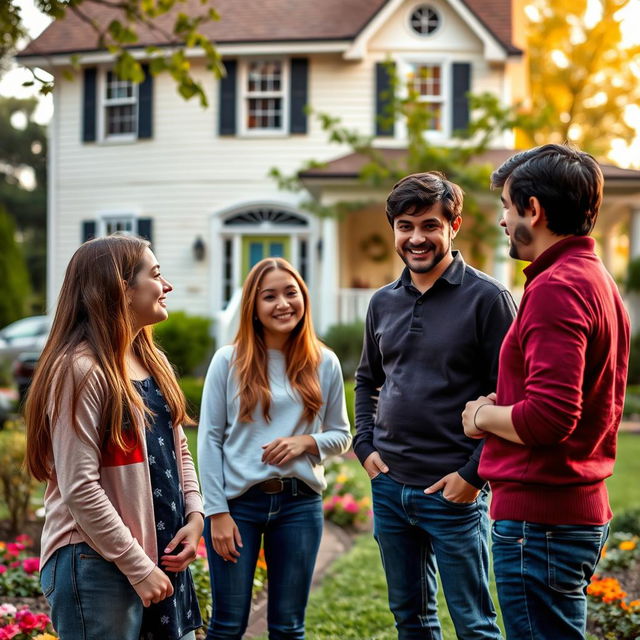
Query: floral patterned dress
(179, 614)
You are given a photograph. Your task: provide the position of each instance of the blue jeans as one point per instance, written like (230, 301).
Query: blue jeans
(90, 598)
(291, 523)
(542, 572)
(416, 533)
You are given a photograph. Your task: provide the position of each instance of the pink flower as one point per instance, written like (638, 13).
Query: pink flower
(31, 565)
(24, 539)
(10, 631)
(14, 548)
(15, 564)
(3, 568)
(26, 620)
(7, 609)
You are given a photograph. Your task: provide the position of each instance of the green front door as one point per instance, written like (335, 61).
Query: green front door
(255, 248)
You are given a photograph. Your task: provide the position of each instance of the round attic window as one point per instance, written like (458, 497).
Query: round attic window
(425, 20)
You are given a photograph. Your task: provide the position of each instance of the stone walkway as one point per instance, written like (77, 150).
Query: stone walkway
(335, 541)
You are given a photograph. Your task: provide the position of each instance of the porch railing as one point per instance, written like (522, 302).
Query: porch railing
(352, 305)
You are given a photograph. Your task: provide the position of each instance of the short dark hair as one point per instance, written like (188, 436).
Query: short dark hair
(420, 191)
(567, 182)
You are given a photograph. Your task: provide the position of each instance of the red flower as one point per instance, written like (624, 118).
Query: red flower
(31, 565)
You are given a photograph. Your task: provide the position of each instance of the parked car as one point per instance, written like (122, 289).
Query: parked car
(24, 367)
(28, 334)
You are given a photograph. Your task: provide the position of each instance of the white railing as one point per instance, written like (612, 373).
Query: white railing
(227, 320)
(352, 305)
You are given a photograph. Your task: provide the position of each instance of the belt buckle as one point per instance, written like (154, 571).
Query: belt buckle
(273, 485)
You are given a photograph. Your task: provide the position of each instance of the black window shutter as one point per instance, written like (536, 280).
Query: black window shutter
(89, 105)
(459, 99)
(145, 104)
(227, 114)
(384, 98)
(88, 230)
(145, 228)
(299, 95)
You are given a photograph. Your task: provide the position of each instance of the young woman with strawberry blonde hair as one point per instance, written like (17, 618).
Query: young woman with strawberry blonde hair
(273, 409)
(123, 513)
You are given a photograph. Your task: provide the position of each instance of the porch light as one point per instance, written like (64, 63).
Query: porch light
(199, 249)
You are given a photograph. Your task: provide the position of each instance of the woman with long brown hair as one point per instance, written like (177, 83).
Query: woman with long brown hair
(273, 409)
(123, 513)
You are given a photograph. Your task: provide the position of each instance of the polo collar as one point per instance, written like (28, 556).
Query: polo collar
(453, 274)
(566, 246)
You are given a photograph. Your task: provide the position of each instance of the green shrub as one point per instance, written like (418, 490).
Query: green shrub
(349, 393)
(192, 389)
(627, 521)
(634, 360)
(346, 341)
(186, 340)
(16, 484)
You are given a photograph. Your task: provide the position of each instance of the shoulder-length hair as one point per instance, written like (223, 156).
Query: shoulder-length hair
(302, 350)
(92, 318)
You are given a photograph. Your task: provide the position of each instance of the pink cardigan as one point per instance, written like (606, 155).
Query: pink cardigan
(100, 497)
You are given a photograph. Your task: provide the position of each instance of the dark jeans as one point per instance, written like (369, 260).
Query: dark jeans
(415, 533)
(291, 523)
(542, 572)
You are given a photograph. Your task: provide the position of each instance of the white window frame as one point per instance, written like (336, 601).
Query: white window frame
(104, 103)
(406, 66)
(105, 218)
(245, 95)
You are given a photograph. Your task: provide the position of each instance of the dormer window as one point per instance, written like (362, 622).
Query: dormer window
(425, 20)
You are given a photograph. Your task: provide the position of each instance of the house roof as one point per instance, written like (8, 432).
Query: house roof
(349, 166)
(242, 22)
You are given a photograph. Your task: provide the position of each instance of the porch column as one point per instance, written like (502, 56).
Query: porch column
(329, 270)
(502, 265)
(634, 233)
(608, 239)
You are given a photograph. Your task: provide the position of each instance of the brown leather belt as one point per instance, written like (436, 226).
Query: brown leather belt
(272, 485)
(278, 485)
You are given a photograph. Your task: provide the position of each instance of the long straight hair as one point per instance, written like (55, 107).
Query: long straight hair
(92, 318)
(301, 350)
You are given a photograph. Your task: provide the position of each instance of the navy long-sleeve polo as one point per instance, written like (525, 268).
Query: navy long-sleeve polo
(424, 357)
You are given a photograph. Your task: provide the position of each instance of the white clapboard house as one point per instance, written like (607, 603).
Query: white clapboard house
(139, 158)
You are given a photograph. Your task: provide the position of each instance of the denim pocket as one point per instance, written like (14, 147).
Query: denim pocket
(48, 575)
(572, 556)
(457, 505)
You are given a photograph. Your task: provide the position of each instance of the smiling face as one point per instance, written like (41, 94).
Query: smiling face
(424, 240)
(279, 306)
(147, 293)
(516, 228)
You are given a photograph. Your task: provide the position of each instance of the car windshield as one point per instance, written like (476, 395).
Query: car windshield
(25, 328)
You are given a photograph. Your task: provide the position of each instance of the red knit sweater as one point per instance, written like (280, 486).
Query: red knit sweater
(563, 365)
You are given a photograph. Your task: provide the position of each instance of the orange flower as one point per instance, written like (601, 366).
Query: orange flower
(627, 545)
(262, 563)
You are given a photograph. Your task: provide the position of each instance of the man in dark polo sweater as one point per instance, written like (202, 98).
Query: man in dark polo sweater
(431, 344)
(551, 429)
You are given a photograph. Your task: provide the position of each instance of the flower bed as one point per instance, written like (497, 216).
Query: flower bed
(19, 569)
(23, 624)
(346, 501)
(614, 593)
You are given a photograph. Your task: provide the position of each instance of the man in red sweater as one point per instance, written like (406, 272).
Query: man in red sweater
(551, 427)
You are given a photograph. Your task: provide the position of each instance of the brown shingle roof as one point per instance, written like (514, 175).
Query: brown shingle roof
(349, 166)
(244, 21)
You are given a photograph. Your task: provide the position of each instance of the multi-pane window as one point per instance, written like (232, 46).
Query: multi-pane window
(265, 96)
(425, 20)
(426, 81)
(123, 224)
(120, 106)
